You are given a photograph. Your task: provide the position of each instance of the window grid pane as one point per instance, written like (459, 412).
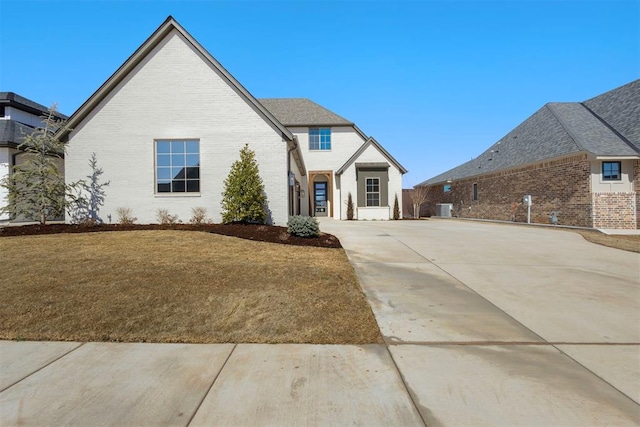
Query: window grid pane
(320, 139)
(177, 171)
(372, 191)
(611, 171)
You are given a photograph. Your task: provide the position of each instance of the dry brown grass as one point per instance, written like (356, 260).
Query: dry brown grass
(625, 242)
(178, 286)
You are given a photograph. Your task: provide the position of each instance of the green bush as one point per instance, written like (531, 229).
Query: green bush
(244, 199)
(303, 226)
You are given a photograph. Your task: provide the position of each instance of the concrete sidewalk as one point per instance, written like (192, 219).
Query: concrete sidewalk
(93, 384)
(485, 325)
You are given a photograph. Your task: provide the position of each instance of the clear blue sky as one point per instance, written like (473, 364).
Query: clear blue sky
(436, 82)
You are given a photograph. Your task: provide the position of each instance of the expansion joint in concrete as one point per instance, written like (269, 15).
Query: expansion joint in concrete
(43, 366)
(406, 387)
(211, 385)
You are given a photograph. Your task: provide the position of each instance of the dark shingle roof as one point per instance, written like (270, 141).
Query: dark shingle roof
(12, 133)
(302, 112)
(588, 132)
(22, 103)
(560, 129)
(620, 109)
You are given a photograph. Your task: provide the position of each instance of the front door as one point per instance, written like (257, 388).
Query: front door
(320, 199)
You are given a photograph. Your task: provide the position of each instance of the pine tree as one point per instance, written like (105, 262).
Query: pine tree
(36, 188)
(244, 199)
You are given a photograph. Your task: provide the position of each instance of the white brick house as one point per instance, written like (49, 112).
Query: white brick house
(168, 124)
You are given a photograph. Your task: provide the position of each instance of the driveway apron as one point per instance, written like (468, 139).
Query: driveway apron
(493, 324)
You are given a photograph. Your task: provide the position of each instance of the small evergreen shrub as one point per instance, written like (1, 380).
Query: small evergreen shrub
(125, 216)
(303, 226)
(244, 199)
(349, 207)
(396, 209)
(165, 218)
(199, 216)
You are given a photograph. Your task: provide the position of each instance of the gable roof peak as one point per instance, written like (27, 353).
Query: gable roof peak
(369, 142)
(169, 25)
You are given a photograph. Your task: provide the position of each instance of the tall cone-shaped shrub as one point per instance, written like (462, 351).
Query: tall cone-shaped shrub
(349, 207)
(396, 209)
(243, 199)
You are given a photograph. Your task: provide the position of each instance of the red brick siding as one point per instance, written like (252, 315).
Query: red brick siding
(560, 185)
(614, 210)
(636, 188)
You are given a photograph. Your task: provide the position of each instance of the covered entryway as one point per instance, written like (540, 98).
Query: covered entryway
(321, 193)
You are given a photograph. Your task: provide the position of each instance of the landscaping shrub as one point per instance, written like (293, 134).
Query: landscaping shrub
(396, 209)
(125, 216)
(244, 199)
(303, 226)
(199, 216)
(164, 217)
(349, 207)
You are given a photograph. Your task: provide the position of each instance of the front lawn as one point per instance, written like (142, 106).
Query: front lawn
(178, 286)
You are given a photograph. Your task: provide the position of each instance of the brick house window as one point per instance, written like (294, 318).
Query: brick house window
(373, 191)
(475, 191)
(611, 171)
(320, 139)
(446, 188)
(177, 166)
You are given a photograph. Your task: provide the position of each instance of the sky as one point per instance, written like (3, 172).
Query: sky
(435, 82)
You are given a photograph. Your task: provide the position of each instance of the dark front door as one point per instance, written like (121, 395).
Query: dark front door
(320, 207)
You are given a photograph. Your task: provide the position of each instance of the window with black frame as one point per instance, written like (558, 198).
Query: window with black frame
(611, 171)
(177, 166)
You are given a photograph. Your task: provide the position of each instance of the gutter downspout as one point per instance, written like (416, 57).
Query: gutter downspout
(289, 172)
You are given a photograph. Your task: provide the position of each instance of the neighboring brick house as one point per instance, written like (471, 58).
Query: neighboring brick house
(579, 160)
(168, 124)
(19, 116)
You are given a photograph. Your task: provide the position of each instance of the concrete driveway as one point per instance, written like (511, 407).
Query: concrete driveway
(493, 324)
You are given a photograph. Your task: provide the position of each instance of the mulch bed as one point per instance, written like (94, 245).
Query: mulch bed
(256, 232)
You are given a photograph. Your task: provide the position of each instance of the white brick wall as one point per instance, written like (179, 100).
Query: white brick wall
(174, 93)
